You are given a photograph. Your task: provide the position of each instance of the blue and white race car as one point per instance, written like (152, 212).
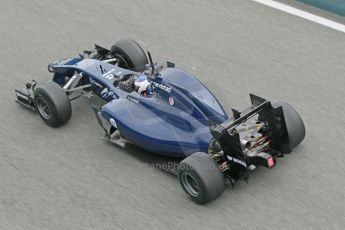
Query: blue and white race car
(167, 111)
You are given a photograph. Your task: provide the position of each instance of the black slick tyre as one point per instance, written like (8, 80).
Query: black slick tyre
(52, 104)
(200, 178)
(130, 53)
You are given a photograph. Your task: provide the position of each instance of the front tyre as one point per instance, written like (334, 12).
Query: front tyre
(200, 178)
(131, 55)
(52, 104)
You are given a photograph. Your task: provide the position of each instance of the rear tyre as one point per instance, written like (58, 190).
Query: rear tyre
(200, 178)
(294, 124)
(130, 53)
(52, 104)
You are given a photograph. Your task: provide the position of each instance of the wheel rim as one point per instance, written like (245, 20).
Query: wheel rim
(43, 108)
(190, 184)
(122, 62)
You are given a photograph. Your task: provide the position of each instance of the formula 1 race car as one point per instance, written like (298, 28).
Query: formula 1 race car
(167, 111)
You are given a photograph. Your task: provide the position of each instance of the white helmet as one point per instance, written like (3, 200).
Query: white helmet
(141, 84)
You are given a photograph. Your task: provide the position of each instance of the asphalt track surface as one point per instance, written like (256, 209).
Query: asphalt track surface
(69, 178)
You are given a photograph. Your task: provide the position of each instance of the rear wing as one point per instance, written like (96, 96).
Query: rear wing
(258, 104)
(229, 139)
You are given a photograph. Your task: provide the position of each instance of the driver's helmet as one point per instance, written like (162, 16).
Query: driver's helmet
(142, 85)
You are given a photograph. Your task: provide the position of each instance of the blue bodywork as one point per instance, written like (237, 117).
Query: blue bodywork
(174, 121)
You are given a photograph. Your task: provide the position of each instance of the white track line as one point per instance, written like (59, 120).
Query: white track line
(303, 14)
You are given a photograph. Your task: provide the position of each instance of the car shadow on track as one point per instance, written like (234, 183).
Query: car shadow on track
(152, 160)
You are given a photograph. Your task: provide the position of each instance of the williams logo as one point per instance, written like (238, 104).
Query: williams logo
(136, 100)
(237, 161)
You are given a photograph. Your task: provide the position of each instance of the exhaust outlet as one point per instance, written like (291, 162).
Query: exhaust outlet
(246, 144)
